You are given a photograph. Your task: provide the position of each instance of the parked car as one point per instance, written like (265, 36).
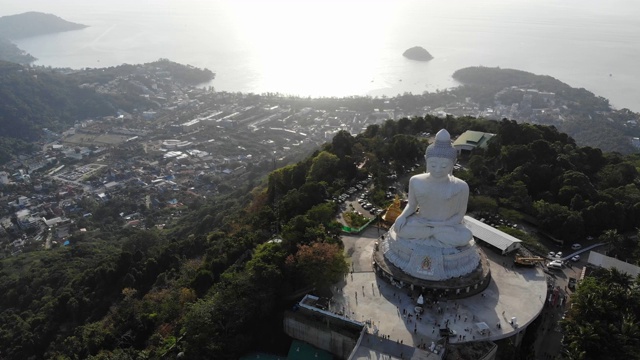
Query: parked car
(575, 258)
(552, 254)
(558, 254)
(554, 265)
(576, 246)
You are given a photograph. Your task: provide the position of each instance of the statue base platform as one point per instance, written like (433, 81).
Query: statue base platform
(446, 272)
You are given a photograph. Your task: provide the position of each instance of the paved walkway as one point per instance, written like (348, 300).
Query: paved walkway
(513, 292)
(375, 347)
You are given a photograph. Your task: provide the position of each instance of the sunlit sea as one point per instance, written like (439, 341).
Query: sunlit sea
(342, 48)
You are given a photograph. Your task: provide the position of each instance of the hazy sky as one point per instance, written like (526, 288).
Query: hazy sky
(68, 7)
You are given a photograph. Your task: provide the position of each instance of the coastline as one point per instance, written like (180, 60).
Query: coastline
(250, 61)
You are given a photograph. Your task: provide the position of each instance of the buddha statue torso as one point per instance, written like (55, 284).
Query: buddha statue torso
(434, 212)
(439, 201)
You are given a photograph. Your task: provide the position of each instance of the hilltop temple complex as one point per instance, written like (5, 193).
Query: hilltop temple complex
(428, 286)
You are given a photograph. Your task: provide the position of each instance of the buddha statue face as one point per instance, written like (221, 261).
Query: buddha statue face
(441, 156)
(439, 167)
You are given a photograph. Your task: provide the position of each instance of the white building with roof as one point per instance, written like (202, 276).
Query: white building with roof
(492, 236)
(470, 140)
(608, 262)
(190, 125)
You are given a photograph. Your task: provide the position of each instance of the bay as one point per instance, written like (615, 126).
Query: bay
(343, 48)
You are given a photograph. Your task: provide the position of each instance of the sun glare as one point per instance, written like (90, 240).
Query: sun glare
(307, 48)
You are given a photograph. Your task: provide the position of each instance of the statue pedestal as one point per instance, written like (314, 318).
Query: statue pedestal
(418, 259)
(450, 273)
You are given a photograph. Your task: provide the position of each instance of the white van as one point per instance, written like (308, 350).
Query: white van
(555, 265)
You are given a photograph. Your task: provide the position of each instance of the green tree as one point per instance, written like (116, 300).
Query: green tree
(323, 167)
(615, 277)
(319, 264)
(612, 239)
(514, 156)
(342, 143)
(481, 203)
(616, 175)
(405, 126)
(558, 220)
(602, 320)
(405, 149)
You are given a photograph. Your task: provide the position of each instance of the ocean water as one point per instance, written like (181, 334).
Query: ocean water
(351, 47)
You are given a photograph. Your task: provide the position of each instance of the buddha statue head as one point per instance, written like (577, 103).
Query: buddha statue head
(441, 156)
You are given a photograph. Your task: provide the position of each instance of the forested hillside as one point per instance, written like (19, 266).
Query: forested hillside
(31, 100)
(33, 24)
(215, 283)
(34, 98)
(10, 52)
(495, 79)
(180, 74)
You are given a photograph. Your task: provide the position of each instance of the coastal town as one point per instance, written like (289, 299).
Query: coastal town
(197, 143)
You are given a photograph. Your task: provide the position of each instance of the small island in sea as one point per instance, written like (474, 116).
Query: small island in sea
(417, 53)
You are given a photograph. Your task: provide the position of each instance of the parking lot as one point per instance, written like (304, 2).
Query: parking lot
(356, 199)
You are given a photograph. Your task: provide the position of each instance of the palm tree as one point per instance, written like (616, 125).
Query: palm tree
(628, 335)
(574, 352)
(612, 239)
(603, 322)
(618, 277)
(583, 340)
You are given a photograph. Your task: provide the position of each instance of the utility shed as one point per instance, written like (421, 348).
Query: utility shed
(502, 241)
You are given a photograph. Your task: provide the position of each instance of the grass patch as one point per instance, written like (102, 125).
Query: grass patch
(355, 220)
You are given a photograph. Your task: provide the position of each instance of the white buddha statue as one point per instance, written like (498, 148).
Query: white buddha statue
(429, 239)
(437, 200)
